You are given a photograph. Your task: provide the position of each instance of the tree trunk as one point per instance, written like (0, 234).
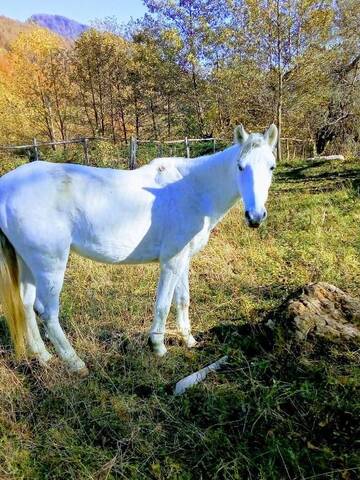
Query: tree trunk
(153, 119)
(137, 119)
(101, 108)
(48, 118)
(87, 112)
(122, 121)
(96, 115)
(112, 115)
(59, 114)
(168, 117)
(280, 80)
(197, 99)
(121, 112)
(279, 114)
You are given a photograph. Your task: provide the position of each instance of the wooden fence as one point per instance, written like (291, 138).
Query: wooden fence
(291, 147)
(186, 142)
(295, 147)
(35, 146)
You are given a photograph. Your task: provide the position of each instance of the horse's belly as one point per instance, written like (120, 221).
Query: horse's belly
(135, 242)
(111, 252)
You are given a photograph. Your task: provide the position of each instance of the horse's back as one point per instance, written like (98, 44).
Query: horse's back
(108, 215)
(58, 183)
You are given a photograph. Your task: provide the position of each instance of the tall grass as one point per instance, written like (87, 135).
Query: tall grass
(269, 415)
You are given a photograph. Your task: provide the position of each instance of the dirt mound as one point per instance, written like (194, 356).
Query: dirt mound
(319, 320)
(319, 310)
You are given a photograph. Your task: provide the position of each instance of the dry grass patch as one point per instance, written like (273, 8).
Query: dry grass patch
(270, 416)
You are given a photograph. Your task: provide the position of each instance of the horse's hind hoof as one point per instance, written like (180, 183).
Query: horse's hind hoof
(82, 372)
(44, 358)
(190, 342)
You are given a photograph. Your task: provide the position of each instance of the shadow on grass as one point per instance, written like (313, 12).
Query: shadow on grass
(326, 181)
(356, 185)
(291, 408)
(271, 413)
(268, 292)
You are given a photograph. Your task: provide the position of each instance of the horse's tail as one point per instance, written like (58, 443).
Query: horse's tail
(10, 295)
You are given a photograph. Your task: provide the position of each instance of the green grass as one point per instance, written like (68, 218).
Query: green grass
(273, 413)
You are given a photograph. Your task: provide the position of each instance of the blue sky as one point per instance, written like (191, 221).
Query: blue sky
(83, 11)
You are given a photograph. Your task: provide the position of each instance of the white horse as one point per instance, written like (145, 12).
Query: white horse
(163, 212)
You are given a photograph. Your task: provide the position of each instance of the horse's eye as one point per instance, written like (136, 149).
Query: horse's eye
(240, 168)
(272, 168)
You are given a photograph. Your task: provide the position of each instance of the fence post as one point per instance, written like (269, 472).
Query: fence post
(187, 148)
(159, 149)
(85, 143)
(36, 149)
(214, 145)
(287, 149)
(133, 150)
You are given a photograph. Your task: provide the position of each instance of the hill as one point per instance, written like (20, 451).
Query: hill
(61, 25)
(9, 30)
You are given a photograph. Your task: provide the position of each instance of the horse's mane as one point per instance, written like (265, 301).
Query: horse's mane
(254, 140)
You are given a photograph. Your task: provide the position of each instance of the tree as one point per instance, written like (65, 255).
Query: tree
(192, 67)
(277, 34)
(191, 21)
(340, 119)
(38, 79)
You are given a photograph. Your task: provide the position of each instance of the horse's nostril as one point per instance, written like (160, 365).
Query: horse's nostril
(264, 215)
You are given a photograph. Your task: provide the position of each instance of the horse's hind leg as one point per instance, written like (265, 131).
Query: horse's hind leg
(169, 275)
(182, 302)
(49, 285)
(36, 345)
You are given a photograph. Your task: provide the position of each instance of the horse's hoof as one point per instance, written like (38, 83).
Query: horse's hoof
(159, 350)
(82, 372)
(44, 358)
(157, 345)
(78, 368)
(191, 342)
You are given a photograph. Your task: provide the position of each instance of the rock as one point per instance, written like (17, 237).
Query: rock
(321, 310)
(327, 157)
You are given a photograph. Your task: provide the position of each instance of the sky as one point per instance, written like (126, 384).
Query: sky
(83, 11)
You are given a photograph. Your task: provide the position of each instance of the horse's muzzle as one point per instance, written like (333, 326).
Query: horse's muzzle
(254, 219)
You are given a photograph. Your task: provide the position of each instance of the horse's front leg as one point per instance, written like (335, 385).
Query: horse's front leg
(170, 272)
(182, 302)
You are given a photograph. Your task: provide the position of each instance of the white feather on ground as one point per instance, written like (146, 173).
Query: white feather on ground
(198, 376)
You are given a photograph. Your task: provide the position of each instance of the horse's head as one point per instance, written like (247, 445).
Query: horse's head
(255, 164)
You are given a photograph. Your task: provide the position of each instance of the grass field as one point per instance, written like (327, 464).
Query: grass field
(271, 414)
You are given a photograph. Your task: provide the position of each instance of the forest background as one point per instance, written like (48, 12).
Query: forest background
(189, 68)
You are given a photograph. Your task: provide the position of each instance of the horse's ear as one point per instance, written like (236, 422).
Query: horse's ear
(271, 135)
(240, 135)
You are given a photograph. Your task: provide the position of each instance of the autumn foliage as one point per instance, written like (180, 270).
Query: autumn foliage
(196, 68)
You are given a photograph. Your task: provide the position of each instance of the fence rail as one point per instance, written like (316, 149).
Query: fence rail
(84, 141)
(134, 144)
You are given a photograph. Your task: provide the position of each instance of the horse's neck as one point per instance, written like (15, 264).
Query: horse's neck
(215, 177)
